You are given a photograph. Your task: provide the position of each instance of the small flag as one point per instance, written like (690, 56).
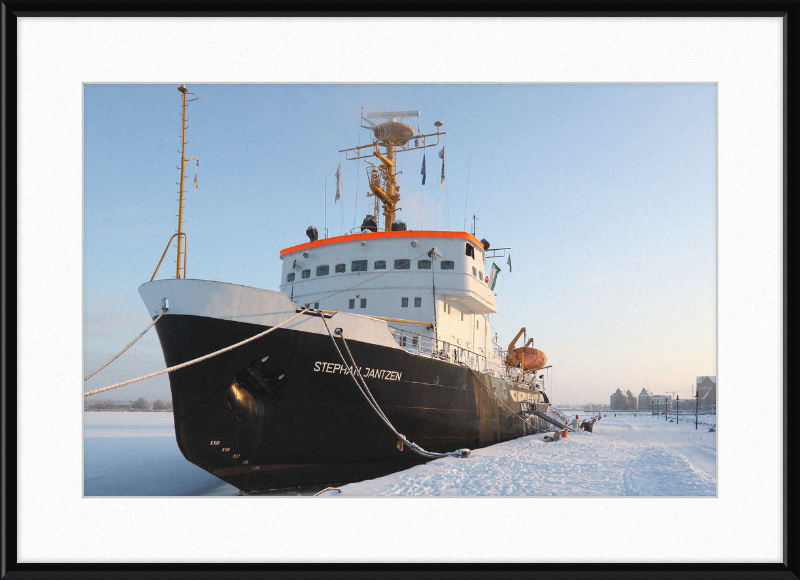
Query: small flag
(509, 262)
(441, 156)
(338, 183)
(493, 275)
(195, 178)
(423, 172)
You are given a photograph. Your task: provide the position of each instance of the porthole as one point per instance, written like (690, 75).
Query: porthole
(414, 244)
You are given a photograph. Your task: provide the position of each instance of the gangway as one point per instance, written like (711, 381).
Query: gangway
(549, 419)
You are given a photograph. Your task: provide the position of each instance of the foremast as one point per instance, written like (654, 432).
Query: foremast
(183, 242)
(394, 137)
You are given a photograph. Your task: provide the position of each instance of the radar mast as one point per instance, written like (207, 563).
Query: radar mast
(394, 137)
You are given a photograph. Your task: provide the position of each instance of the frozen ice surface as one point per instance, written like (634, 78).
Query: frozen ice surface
(135, 454)
(127, 454)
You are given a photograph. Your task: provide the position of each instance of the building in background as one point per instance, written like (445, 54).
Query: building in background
(707, 391)
(633, 402)
(644, 399)
(659, 400)
(619, 401)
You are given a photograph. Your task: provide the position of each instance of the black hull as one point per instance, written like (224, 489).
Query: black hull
(287, 421)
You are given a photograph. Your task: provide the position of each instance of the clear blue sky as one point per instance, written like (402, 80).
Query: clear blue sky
(605, 193)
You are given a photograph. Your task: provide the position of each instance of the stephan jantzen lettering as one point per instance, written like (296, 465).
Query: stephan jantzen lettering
(366, 372)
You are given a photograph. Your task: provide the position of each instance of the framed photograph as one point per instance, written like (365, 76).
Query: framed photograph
(673, 218)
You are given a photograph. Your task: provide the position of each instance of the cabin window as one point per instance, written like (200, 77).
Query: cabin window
(404, 302)
(424, 265)
(417, 302)
(474, 272)
(352, 303)
(358, 266)
(316, 305)
(462, 317)
(290, 277)
(325, 270)
(470, 250)
(363, 303)
(480, 274)
(477, 323)
(448, 265)
(380, 264)
(306, 274)
(402, 264)
(340, 268)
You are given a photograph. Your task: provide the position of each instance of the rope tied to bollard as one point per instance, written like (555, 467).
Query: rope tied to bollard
(367, 394)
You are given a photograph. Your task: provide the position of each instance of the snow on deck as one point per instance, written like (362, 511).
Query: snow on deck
(136, 454)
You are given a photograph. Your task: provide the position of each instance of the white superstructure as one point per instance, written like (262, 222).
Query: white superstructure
(391, 275)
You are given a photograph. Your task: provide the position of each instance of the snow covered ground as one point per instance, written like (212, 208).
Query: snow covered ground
(136, 454)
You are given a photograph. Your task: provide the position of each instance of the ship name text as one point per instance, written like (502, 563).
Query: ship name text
(366, 372)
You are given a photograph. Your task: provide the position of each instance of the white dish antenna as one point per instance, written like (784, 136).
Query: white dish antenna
(392, 115)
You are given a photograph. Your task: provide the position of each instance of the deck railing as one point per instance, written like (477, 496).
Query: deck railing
(429, 346)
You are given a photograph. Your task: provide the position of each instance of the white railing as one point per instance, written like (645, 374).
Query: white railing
(429, 346)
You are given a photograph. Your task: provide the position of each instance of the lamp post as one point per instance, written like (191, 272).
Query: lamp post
(696, 405)
(677, 409)
(666, 415)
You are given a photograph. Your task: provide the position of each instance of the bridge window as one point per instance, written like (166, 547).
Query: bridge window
(380, 264)
(358, 266)
(325, 270)
(363, 303)
(306, 274)
(480, 274)
(402, 264)
(352, 304)
(474, 271)
(424, 265)
(340, 268)
(448, 265)
(404, 302)
(417, 302)
(470, 250)
(290, 277)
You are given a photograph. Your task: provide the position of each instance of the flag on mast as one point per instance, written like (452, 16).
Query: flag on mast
(509, 262)
(441, 156)
(195, 178)
(338, 183)
(423, 172)
(493, 275)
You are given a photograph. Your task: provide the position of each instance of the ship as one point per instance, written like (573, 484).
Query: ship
(374, 353)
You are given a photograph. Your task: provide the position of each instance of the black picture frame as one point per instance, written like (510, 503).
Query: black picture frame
(789, 10)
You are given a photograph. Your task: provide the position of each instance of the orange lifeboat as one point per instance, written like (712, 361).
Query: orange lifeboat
(531, 358)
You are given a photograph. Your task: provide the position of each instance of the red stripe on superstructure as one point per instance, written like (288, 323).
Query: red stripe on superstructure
(380, 235)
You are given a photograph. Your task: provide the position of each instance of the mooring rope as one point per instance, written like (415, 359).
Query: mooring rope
(197, 360)
(353, 372)
(126, 348)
